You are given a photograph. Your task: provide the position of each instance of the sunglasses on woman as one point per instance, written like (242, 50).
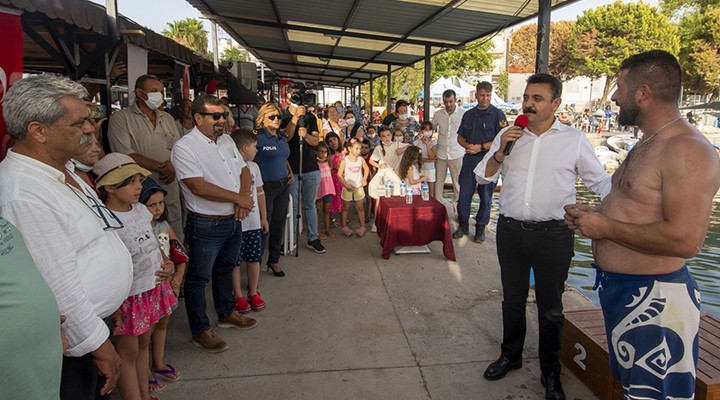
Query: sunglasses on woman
(273, 117)
(216, 115)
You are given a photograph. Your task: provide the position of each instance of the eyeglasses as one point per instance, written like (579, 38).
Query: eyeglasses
(216, 115)
(110, 221)
(273, 117)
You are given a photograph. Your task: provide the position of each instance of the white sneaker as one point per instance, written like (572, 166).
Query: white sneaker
(373, 228)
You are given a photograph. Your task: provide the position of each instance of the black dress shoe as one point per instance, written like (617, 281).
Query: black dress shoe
(479, 234)
(462, 230)
(279, 274)
(500, 368)
(553, 388)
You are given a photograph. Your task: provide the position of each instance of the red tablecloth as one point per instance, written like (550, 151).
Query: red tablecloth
(416, 224)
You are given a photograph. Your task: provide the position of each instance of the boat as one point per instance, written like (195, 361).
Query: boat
(621, 144)
(608, 158)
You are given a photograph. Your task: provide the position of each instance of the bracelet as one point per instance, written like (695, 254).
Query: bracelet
(495, 158)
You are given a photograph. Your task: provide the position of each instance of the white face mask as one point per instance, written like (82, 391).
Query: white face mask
(154, 100)
(403, 117)
(350, 121)
(398, 139)
(372, 135)
(427, 133)
(82, 167)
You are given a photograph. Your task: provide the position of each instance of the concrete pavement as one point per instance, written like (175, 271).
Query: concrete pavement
(349, 325)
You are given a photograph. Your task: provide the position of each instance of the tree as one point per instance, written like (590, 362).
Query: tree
(524, 48)
(602, 38)
(502, 85)
(233, 53)
(476, 57)
(190, 33)
(699, 43)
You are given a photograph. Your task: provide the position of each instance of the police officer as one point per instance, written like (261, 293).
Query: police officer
(476, 133)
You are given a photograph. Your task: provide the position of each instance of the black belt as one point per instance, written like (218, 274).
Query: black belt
(194, 214)
(553, 224)
(276, 183)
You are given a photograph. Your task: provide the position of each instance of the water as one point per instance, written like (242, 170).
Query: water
(705, 267)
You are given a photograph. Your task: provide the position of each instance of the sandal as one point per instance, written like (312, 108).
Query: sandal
(170, 374)
(347, 231)
(155, 386)
(361, 231)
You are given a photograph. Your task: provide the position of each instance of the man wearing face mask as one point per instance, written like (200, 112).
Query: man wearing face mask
(147, 135)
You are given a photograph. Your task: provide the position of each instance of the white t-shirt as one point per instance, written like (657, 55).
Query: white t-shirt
(390, 158)
(144, 247)
(353, 172)
(219, 163)
(252, 221)
(424, 150)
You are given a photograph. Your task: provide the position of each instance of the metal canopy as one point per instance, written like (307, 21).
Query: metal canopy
(344, 42)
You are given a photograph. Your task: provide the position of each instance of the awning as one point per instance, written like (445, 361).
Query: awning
(346, 42)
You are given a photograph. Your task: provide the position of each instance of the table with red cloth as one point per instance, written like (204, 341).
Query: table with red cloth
(416, 224)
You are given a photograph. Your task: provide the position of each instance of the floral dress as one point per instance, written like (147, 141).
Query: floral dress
(337, 203)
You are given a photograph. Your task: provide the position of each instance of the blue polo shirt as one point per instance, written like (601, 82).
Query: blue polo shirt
(481, 126)
(273, 152)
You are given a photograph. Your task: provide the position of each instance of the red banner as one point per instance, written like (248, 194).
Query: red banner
(11, 63)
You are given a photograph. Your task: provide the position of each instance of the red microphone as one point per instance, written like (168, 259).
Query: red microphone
(522, 122)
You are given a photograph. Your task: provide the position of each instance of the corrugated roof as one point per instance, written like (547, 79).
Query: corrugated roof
(345, 41)
(91, 17)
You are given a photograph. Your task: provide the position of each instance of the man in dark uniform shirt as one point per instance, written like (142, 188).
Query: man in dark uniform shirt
(477, 130)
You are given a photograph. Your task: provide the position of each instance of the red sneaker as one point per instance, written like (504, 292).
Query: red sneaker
(257, 303)
(242, 306)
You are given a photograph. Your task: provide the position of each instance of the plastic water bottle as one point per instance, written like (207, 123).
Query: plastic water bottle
(388, 188)
(402, 187)
(408, 196)
(425, 191)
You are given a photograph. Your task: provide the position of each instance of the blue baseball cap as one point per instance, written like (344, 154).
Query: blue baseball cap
(149, 187)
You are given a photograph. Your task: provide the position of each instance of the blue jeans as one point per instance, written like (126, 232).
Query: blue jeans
(309, 186)
(468, 186)
(214, 250)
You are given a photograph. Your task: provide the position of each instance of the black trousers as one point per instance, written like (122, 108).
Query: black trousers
(548, 250)
(277, 201)
(80, 379)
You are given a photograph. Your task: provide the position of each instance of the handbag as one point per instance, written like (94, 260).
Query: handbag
(177, 253)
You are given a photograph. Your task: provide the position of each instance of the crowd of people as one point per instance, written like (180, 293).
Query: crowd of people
(99, 248)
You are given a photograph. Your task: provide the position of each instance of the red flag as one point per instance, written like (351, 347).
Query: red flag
(11, 64)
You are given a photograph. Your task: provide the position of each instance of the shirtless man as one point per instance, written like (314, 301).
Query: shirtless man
(655, 217)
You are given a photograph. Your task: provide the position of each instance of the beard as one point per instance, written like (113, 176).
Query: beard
(85, 139)
(628, 114)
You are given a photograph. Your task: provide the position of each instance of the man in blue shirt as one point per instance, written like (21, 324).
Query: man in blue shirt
(478, 128)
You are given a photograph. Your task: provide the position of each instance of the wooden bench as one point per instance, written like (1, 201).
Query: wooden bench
(585, 353)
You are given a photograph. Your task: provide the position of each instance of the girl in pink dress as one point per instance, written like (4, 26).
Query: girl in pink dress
(336, 156)
(326, 190)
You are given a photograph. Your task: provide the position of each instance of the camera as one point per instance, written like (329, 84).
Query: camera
(300, 96)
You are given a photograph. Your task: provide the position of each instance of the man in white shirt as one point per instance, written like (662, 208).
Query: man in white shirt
(216, 185)
(539, 178)
(67, 229)
(449, 152)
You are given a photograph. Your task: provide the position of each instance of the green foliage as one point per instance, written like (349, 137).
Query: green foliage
(700, 43)
(524, 48)
(233, 53)
(502, 85)
(408, 82)
(602, 38)
(190, 33)
(476, 57)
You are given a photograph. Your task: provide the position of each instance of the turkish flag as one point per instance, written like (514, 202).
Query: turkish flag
(11, 64)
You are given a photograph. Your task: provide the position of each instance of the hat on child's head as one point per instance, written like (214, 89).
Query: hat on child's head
(115, 168)
(150, 187)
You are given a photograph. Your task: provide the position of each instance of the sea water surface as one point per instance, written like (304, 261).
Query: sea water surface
(705, 267)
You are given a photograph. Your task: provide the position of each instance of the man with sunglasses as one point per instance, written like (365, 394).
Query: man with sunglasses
(216, 186)
(85, 264)
(148, 134)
